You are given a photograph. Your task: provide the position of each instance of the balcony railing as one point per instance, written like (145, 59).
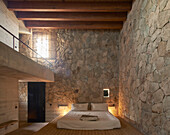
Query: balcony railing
(37, 57)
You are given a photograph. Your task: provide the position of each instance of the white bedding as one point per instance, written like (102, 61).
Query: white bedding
(72, 121)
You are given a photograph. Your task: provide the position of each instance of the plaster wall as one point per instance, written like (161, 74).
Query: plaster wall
(8, 102)
(10, 22)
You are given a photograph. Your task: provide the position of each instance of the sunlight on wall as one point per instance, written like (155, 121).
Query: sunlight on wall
(42, 45)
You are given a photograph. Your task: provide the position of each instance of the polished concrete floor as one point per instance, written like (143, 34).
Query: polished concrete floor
(27, 128)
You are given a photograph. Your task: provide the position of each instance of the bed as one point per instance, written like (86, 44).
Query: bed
(50, 129)
(72, 121)
(125, 129)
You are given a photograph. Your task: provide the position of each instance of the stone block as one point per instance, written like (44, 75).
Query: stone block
(157, 108)
(143, 96)
(163, 4)
(166, 103)
(162, 48)
(159, 63)
(155, 35)
(167, 125)
(158, 96)
(167, 114)
(168, 48)
(156, 119)
(165, 86)
(167, 7)
(163, 18)
(165, 34)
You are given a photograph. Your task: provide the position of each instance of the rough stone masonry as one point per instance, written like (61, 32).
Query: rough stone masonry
(144, 67)
(85, 62)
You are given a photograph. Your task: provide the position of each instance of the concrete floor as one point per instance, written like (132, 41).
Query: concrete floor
(27, 128)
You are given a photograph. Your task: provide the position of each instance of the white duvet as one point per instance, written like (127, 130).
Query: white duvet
(72, 121)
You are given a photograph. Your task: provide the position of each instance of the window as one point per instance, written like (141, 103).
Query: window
(42, 46)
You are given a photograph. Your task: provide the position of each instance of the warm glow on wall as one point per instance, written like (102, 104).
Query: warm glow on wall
(63, 110)
(112, 110)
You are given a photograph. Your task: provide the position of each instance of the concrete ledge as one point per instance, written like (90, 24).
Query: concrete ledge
(16, 65)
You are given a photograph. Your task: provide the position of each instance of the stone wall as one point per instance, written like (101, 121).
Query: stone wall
(144, 81)
(23, 49)
(85, 62)
(23, 101)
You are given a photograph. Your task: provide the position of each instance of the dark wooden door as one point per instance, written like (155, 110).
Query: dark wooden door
(36, 102)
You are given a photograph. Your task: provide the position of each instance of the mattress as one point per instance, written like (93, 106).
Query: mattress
(72, 121)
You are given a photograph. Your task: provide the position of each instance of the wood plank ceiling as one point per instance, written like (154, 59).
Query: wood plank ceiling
(71, 14)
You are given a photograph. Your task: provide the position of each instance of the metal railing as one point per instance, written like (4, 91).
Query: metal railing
(37, 59)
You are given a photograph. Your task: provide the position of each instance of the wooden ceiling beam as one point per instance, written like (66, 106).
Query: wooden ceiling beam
(52, 6)
(74, 25)
(58, 16)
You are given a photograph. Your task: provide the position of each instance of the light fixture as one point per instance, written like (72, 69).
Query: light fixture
(106, 93)
(63, 109)
(112, 109)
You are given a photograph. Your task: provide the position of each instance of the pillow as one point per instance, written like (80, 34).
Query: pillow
(79, 107)
(99, 107)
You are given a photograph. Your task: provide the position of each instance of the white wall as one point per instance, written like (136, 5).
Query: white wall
(10, 22)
